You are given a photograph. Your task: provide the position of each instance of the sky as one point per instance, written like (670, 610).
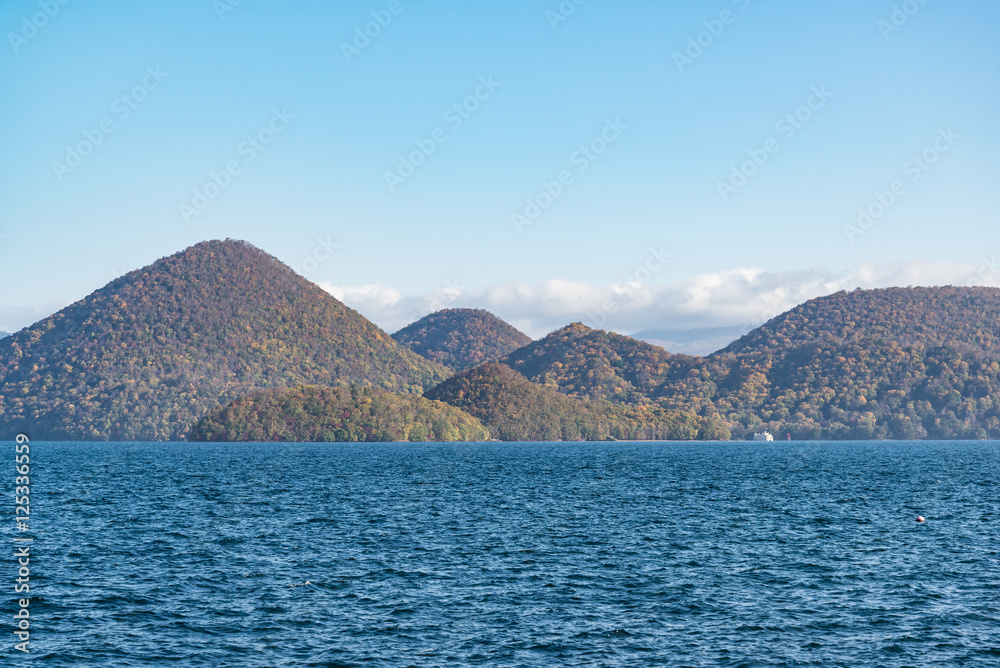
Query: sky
(630, 165)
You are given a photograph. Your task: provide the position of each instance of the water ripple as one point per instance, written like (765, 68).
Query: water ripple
(616, 554)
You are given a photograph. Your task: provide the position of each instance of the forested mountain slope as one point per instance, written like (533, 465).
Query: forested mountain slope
(515, 409)
(964, 317)
(890, 363)
(893, 363)
(348, 414)
(461, 338)
(151, 352)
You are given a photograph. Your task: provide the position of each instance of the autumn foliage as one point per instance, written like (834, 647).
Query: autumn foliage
(146, 356)
(355, 413)
(461, 338)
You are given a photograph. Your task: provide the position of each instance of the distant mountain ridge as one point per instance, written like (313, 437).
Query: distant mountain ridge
(965, 316)
(594, 364)
(154, 350)
(891, 363)
(698, 341)
(894, 363)
(461, 338)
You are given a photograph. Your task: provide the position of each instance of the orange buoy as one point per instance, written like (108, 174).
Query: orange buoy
(920, 518)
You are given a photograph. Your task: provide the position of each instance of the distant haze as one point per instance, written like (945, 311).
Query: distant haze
(698, 341)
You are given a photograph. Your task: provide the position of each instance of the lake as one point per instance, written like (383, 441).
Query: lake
(512, 554)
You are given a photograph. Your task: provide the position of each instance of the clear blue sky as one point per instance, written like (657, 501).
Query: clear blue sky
(677, 132)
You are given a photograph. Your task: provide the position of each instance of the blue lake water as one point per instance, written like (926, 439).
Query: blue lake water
(553, 554)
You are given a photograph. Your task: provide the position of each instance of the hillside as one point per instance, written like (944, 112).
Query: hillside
(311, 413)
(893, 363)
(868, 389)
(515, 409)
(461, 338)
(153, 351)
(966, 317)
(896, 363)
(595, 364)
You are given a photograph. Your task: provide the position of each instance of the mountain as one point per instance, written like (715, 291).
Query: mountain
(355, 413)
(4, 335)
(698, 341)
(154, 350)
(461, 338)
(893, 363)
(594, 364)
(961, 316)
(515, 409)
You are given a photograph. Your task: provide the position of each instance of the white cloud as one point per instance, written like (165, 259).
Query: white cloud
(745, 296)
(739, 297)
(378, 296)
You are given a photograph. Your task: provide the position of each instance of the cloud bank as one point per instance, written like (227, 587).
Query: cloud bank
(739, 297)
